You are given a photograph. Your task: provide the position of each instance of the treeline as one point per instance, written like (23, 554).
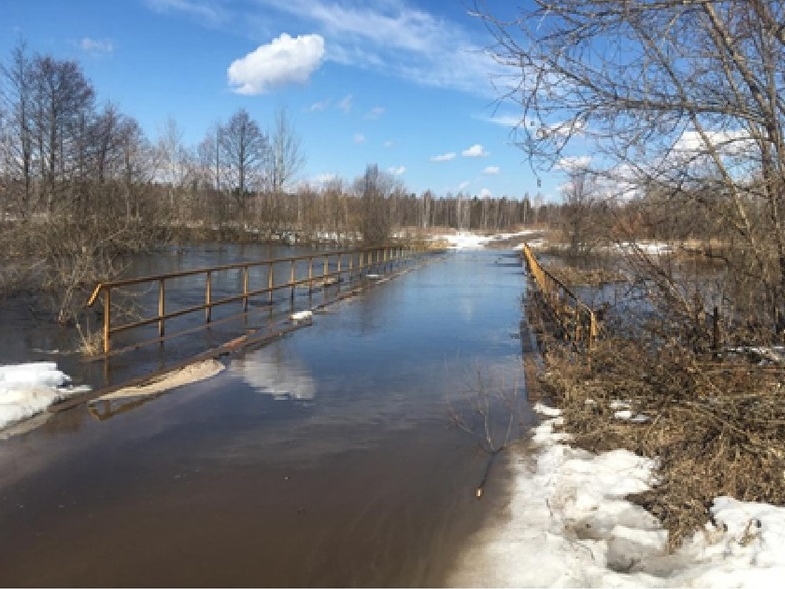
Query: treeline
(66, 158)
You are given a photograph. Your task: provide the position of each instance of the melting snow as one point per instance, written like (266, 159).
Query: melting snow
(28, 389)
(568, 525)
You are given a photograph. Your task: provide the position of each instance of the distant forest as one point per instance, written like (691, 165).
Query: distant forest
(65, 157)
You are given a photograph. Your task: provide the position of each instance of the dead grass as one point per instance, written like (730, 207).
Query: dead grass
(91, 343)
(716, 428)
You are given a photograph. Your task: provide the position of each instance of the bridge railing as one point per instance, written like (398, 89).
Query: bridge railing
(577, 320)
(317, 270)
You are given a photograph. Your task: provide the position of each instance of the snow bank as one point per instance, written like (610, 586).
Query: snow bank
(568, 525)
(469, 240)
(28, 389)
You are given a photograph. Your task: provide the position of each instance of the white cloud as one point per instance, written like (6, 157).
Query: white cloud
(394, 38)
(96, 46)
(464, 185)
(485, 193)
(207, 12)
(397, 171)
(691, 143)
(573, 163)
(492, 170)
(389, 144)
(375, 112)
(286, 60)
(345, 103)
(359, 138)
(475, 150)
(445, 157)
(510, 121)
(319, 106)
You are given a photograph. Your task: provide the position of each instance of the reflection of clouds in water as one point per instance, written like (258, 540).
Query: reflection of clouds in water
(272, 372)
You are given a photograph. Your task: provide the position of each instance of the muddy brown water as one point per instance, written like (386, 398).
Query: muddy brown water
(324, 459)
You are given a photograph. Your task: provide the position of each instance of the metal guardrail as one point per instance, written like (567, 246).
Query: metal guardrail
(576, 319)
(302, 271)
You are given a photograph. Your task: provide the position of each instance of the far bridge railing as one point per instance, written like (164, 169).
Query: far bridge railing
(577, 321)
(241, 283)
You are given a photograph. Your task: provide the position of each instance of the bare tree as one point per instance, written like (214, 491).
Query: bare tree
(62, 98)
(245, 151)
(172, 159)
(287, 158)
(682, 94)
(18, 137)
(373, 188)
(578, 213)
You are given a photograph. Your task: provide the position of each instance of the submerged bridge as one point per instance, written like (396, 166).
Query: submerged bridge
(156, 324)
(151, 325)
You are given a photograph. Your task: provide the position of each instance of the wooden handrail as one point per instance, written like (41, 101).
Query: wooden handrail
(580, 323)
(366, 257)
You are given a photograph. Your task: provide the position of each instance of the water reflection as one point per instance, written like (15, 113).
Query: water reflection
(273, 372)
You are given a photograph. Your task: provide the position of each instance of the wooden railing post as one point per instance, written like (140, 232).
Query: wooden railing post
(291, 279)
(161, 306)
(270, 281)
(245, 289)
(107, 318)
(208, 297)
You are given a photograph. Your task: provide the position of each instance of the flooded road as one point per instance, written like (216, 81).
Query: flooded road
(326, 458)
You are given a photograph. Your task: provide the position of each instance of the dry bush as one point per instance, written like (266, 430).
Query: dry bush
(716, 428)
(61, 260)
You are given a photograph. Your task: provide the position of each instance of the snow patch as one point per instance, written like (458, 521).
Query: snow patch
(568, 524)
(28, 389)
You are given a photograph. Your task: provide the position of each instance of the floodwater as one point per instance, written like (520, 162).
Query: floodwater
(327, 458)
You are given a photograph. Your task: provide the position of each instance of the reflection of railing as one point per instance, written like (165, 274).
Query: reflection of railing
(577, 321)
(314, 271)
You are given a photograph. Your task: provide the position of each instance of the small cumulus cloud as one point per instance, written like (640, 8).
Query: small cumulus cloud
(318, 106)
(96, 45)
(491, 170)
(397, 171)
(389, 144)
(485, 193)
(464, 185)
(475, 150)
(511, 121)
(375, 112)
(445, 157)
(345, 104)
(359, 138)
(286, 60)
(573, 163)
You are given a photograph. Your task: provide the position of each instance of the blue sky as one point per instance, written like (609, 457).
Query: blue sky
(406, 85)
